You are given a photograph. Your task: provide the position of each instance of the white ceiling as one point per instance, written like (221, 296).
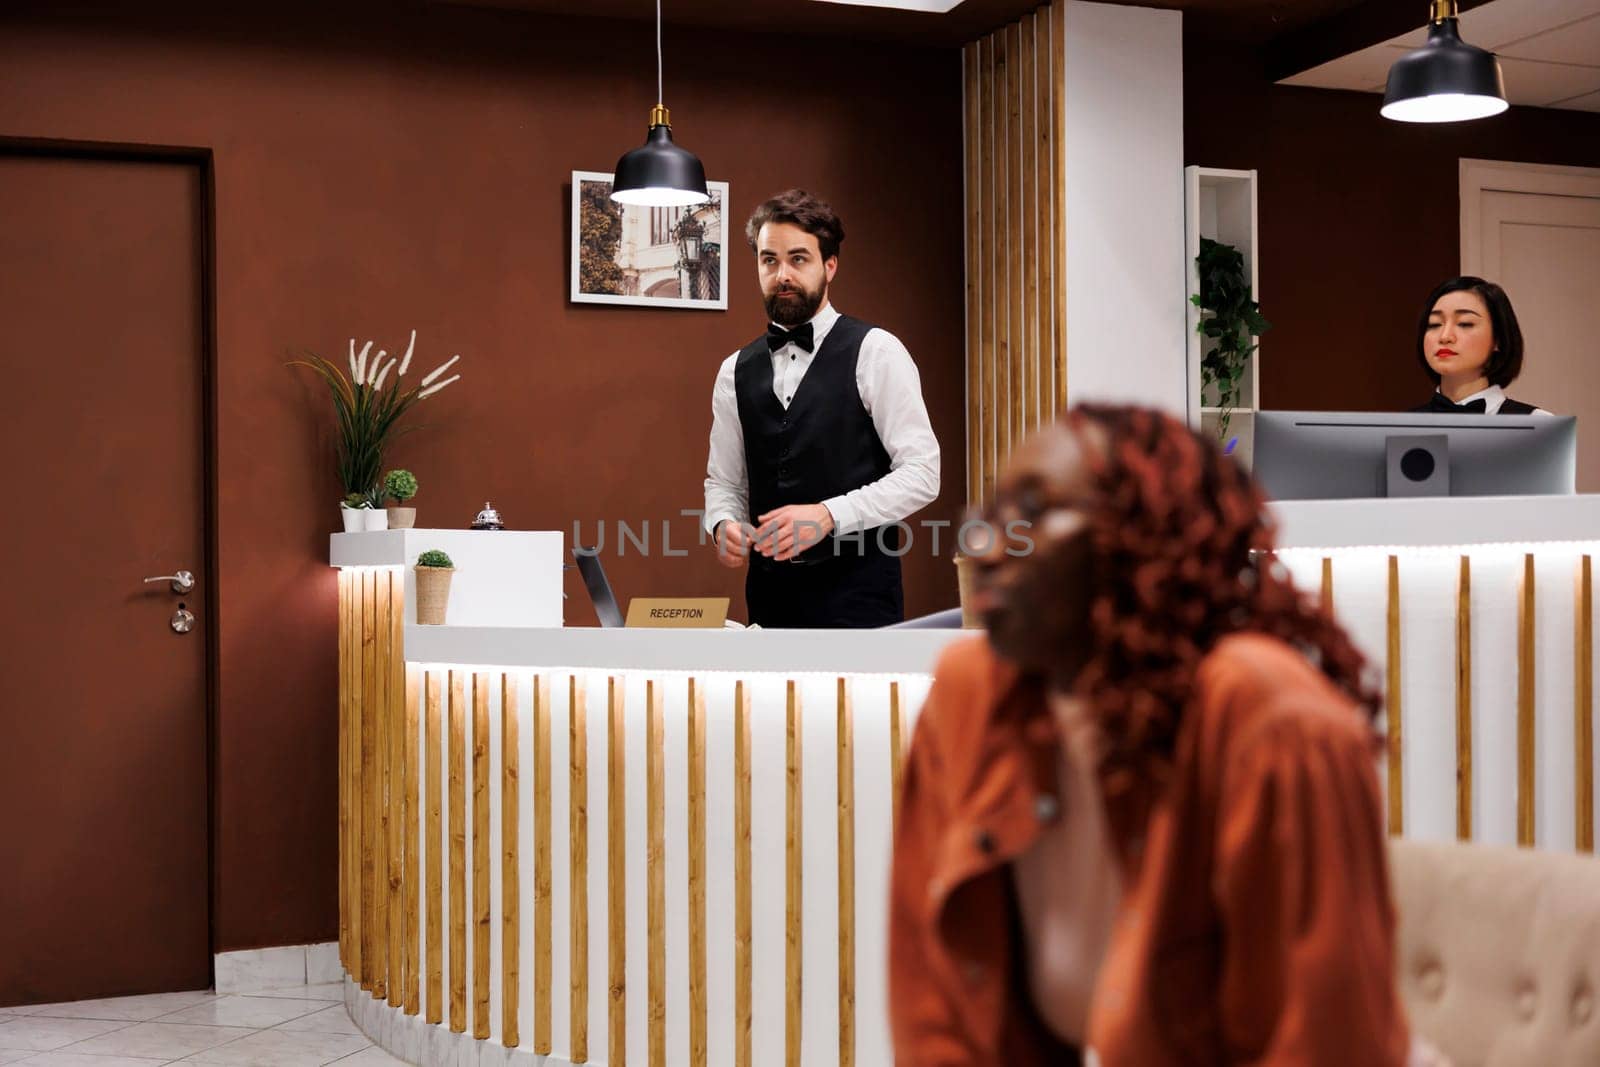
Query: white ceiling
(1549, 53)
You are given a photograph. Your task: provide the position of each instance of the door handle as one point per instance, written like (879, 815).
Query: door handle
(182, 582)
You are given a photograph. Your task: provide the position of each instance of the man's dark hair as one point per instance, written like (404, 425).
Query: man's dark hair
(1505, 362)
(799, 208)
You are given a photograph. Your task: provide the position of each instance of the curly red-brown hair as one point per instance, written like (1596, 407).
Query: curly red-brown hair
(1182, 543)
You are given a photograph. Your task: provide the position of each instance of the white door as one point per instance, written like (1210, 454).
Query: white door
(1536, 232)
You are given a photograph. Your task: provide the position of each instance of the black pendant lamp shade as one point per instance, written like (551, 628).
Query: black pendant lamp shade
(1446, 80)
(659, 173)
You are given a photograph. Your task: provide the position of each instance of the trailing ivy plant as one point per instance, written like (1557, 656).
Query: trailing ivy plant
(1231, 319)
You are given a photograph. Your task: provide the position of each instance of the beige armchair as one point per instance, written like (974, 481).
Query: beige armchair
(1499, 952)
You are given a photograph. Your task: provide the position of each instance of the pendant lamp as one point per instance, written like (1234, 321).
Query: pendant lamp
(659, 173)
(1446, 80)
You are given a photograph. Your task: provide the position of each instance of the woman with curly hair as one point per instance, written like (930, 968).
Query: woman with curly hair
(1142, 817)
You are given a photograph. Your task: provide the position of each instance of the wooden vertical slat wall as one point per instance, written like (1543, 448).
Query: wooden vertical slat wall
(369, 768)
(480, 856)
(742, 973)
(578, 866)
(655, 877)
(1393, 712)
(510, 879)
(845, 715)
(458, 851)
(409, 860)
(1016, 240)
(346, 788)
(433, 924)
(1583, 708)
(793, 950)
(1525, 706)
(542, 881)
(1464, 701)
(616, 875)
(395, 777)
(378, 710)
(698, 1006)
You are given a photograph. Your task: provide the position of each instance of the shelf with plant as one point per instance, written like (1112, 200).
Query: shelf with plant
(1231, 322)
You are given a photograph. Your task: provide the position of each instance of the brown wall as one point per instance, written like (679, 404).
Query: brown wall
(1359, 218)
(400, 168)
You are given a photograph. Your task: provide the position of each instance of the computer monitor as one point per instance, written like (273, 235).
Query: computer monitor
(594, 580)
(1324, 455)
(949, 619)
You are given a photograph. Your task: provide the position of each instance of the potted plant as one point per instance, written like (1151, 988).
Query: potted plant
(368, 405)
(1231, 319)
(350, 509)
(434, 571)
(400, 486)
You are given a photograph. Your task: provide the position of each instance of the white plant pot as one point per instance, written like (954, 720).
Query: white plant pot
(352, 519)
(375, 519)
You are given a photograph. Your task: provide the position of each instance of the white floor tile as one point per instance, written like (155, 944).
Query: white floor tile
(159, 1040)
(370, 1057)
(255, 1012)
(44, 1035)
(132, 1009)
(74, 1059)
(324, 991)
(282, 1048)
(19, 1009)
(11, 1055)
(333, 1019)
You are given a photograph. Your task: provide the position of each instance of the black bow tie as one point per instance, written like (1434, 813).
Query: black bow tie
(1444, 405)
(801, 335)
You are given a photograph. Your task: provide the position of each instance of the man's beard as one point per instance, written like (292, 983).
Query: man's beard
(790, 311)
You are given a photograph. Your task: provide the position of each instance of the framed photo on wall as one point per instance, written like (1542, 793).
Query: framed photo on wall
(665, 257)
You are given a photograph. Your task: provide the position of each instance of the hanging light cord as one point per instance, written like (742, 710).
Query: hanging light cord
(660, 99)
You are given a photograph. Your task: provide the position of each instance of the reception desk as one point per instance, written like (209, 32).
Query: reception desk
(576, 845)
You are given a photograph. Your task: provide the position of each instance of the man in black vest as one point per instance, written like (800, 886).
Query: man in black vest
(820, 440)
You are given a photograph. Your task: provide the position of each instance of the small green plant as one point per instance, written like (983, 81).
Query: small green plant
(434, 558)
(1233, 321)
(357, 501)
(400, 486)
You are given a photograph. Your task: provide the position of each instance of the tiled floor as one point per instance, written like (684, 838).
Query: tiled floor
(303, 1026)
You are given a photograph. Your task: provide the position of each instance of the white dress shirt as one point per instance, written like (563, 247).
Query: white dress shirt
(891, 391)
(1492, 397)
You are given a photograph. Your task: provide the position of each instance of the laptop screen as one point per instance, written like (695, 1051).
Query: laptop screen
(594, 580)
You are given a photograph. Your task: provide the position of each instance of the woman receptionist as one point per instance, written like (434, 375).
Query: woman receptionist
(1469, 343)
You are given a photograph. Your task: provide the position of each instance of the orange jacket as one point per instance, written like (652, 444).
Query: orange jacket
(1256, 925)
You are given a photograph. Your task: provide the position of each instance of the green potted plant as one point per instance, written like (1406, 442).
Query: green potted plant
(1231, 319)
(400, 486)
(368, 405)
(351, 509)
(434, 571)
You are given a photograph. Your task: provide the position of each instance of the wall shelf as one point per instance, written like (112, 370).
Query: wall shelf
(1221, 205)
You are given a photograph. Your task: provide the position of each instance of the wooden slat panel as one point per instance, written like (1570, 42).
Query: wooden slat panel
(1043, 258)
(480, 856)
(578, 867)
(378, 706)
(413, 797)
(433, 926)
(972, 100)
(457, 757)
(344, 769)
(394, 775)
(616, 874)
(742, 972)
(1058, 194)
(1583, 708)
(1393, 705)
(542, 882)
(1525, 706)
(1014, 344)
(1026, 299)
(368, 791)
(655, 878)
(897, 750)
(697, 876)
(990, 229)
(793, 949)
(846, 752)
(1327, 584)
(510, 876)
(1464, 701)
